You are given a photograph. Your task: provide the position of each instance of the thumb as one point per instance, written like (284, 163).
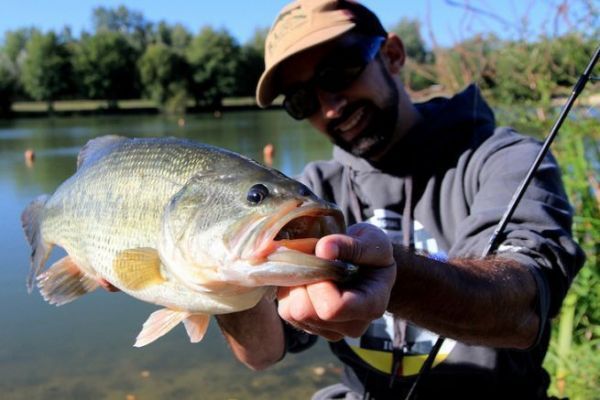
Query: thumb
(364, 244)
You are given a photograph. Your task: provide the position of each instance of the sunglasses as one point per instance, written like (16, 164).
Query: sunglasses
(334, 74)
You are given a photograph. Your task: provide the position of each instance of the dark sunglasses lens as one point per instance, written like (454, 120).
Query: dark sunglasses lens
(339, 78)
(301, 103)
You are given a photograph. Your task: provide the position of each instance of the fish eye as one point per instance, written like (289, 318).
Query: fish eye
(257, 193)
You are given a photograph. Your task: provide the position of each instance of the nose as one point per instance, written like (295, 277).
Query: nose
(332, 104)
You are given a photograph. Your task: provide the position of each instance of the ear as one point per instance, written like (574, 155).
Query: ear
(393, 50)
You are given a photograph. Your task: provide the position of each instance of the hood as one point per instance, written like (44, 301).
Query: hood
(448, 127)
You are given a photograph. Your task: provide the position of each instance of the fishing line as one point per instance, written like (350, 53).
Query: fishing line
(577, 89)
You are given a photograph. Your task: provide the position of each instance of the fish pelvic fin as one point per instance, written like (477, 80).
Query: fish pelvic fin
(96, 147)
(196, 326)
(31, 219)
(138, 268)
(64, 282)
(158, 324)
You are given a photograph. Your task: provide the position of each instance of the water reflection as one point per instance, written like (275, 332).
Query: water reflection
(83, 350)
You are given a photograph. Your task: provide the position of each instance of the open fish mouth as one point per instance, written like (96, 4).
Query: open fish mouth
(288, 239)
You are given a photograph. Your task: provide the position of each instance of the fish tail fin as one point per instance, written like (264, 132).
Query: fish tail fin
(31, 221)
(158, 324)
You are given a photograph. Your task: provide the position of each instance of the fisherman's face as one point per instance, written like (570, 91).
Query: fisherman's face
(356, 108)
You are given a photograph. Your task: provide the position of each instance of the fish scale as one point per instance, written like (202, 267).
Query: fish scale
(168, 221)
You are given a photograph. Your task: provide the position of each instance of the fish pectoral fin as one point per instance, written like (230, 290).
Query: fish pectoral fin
(64, 282)
(196, 326)
(159, 323)
(138, 268)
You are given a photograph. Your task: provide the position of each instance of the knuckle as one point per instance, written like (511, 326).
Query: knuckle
(327, 312)
(300, 314)
(356, 250)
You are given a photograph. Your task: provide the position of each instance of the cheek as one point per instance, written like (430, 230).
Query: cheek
(318, 122)
(373, 86)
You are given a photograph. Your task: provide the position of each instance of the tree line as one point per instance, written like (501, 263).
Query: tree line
(128, 57)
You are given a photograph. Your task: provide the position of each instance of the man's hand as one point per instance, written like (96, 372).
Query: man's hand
(333, 311)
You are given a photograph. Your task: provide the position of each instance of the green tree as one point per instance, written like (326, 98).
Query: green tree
(214, 60)
(414, 76)
(252, 64)
(8, 84)
(175, 36)
(180, 38)
(105, 65)
(46, 68)
(14, 51)
(132, 24)
(15, 42)
(163, 73)
(409, 30)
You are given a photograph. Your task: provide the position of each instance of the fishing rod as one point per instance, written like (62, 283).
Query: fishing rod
(491, 245)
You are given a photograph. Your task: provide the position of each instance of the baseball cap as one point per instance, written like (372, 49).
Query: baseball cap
(303, 24)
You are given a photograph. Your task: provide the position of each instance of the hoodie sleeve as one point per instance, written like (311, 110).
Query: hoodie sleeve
(538, 235)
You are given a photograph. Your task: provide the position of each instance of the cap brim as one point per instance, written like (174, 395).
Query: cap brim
(266, 90)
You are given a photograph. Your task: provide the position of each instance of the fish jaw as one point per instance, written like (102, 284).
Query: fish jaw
(279, 250)
(286, 267)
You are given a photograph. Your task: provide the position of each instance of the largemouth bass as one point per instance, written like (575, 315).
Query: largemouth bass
(193, 228)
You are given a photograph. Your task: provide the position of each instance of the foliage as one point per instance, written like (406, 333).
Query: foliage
(131, 24)
(46, 67)
(532, 71)
(413, 74)
(574, 356)
(163, 73)
(15, 42)
(8, 84)
(176, 37)
(105, 65)
(214, 58)
(251, 64)
(409, 30)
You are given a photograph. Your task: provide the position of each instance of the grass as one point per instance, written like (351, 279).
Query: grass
(100, 105)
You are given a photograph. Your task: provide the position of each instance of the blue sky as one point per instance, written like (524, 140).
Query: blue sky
(446, 22)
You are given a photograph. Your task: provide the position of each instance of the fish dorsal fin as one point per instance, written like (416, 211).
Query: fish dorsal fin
(64, 282)
(96, 147)
(139, 268)
(159, 323)
(196, 326)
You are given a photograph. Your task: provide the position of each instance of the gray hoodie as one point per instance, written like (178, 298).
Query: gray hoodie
(444, 188)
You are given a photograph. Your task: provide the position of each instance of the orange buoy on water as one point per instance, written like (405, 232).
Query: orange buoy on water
(29, 157)
(268, 152)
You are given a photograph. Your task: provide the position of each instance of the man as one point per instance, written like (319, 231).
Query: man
(436, 178)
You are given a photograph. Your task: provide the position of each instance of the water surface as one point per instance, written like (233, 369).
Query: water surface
(83, 350)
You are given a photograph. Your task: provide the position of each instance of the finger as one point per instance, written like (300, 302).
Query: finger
(295, 307)
(364, 244)
(336, 331)
(333, 305)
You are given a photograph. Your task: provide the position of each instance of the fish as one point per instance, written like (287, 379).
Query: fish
(193, 228)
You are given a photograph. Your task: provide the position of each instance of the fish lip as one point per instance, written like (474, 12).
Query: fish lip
(268, 228)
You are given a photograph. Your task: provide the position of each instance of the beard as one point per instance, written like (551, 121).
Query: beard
(377, 136)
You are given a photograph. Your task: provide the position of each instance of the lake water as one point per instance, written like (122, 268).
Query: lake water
(83, 350)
